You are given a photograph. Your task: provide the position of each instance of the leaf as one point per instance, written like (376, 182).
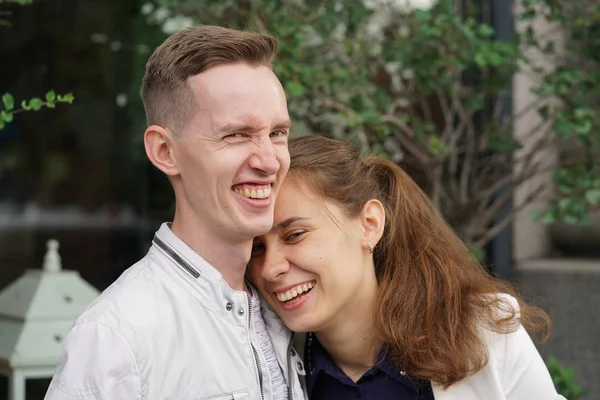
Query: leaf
(67, 98)
(584, 219)
(548, 218)
(480, 59)
(593, 196)
(36, 103)
(534, 215)
(527, 15)
(50, 96)
(584, 128)
(9, 101)
(51, 105)
(563, 128)
(369, 116)
(566, 204)
(495, 59)
(477, 252)
(6, 116)
(544, 111)
(435, 145)
(564, 379)
(486, 30)
(570, 219)
(25, 106)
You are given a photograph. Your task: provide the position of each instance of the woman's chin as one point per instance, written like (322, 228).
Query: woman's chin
(299, 326)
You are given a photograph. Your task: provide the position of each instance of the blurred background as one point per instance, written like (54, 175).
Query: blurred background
(490, 105)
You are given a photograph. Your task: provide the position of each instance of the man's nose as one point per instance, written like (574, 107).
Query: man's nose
(265, 158)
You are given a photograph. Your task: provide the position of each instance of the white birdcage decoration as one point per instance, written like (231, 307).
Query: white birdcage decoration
(36, 312)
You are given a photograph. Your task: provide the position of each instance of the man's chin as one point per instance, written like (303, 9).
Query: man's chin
(258, 226)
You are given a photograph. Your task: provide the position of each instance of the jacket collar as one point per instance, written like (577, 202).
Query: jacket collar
(207, 283)
(201, 279)
(182, 255)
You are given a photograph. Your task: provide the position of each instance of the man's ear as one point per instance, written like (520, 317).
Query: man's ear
(158, 143)
(372, 219)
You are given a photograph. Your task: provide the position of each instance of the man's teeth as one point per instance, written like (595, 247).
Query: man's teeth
(298, 290)
(262, 192)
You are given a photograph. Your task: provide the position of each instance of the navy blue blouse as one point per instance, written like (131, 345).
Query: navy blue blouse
(326, 381)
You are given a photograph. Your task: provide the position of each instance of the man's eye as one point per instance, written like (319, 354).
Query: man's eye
(235, 135)
(278, 133)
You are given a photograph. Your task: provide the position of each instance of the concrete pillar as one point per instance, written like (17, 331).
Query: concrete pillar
(17, 386)
(532, 239)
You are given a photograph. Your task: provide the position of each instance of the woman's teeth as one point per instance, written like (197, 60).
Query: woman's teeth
(296, 291)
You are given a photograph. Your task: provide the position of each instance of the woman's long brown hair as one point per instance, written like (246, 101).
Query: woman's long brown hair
(433, 297)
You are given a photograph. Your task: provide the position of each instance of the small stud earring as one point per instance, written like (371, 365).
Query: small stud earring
(370, 247)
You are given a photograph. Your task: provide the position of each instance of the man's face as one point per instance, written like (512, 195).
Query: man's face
(232, 155)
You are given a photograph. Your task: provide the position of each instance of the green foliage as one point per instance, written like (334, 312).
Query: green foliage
(428, 87)
(477, 252)
(564, 380)
(575, 82)
(21, 2)
(33, 104)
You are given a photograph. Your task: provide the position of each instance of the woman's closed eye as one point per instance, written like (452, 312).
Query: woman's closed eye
(294, 236)
(259, 249)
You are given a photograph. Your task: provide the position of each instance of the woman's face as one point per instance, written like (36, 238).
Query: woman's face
(312, 267)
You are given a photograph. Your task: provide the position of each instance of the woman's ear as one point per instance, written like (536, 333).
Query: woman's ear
(373, 221)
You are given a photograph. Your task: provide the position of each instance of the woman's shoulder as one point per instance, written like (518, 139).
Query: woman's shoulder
(501, 305)
(499, 321)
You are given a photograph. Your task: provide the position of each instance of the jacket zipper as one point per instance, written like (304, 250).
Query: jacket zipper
(192, 271)
(289, 362)
(254, 352)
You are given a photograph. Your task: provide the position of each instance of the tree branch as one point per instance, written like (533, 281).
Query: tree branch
(544, 140)
(404, 136)
(451, 135)
(492, 231)
(469, 155)
(533, 105)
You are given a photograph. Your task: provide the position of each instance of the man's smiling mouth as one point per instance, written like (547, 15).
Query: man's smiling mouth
(253, 191)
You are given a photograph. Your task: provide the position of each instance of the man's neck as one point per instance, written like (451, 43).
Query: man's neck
(351, 340)
(230, 258)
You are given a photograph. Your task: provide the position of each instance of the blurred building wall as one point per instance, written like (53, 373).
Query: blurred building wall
(531, 239)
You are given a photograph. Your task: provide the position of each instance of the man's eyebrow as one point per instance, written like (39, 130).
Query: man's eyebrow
(283, 125)
(233, 127)
(287, 222)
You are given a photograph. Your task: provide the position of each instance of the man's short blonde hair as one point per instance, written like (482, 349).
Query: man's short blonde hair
(168, 101)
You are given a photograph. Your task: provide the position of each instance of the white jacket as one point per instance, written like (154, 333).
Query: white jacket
(515, 370)
(170, 328)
